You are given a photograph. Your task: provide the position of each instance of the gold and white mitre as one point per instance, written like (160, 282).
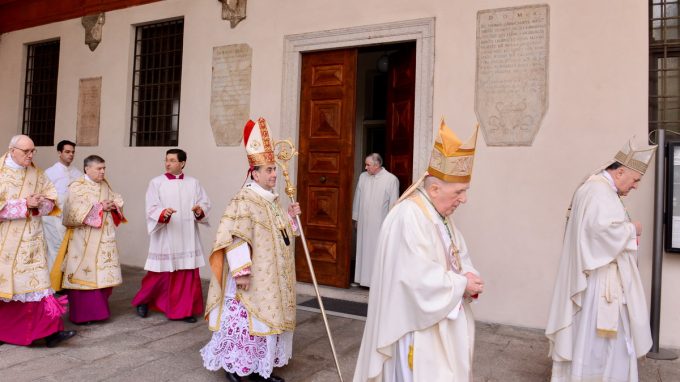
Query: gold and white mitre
(259, 144)
(451, 159)
(635, 159)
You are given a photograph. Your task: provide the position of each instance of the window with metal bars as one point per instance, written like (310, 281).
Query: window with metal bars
(156, 84)
(40, 92)
(664, 65)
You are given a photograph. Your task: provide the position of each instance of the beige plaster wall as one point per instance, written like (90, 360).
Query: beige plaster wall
(514, 219)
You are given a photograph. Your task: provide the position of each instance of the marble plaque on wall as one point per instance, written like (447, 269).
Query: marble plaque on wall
(511, 92)
(89, 103)
(230, 98)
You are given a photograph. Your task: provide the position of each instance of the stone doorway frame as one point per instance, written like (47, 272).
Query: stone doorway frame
(419, 30)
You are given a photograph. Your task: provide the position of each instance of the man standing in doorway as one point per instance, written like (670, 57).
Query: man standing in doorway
(88, 267)
(175, 206)
(599, 324)
(377, 191)
(419, 326)
(251, 301)
(61, 174)
(28, 309)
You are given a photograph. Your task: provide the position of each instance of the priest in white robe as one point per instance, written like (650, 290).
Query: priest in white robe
(599, 323)
(176, 204)
(419, 326)
(377, 191)
(61, 174)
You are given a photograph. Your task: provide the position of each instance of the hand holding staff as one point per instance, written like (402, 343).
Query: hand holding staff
(286, 152)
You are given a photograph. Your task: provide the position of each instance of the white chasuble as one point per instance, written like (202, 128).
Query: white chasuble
(175, 245)
(417, 295)
(373, 198)
(598, 323)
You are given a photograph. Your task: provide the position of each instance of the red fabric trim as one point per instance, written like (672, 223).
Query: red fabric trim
(162, 218)
(117, 218)
(247, 130)
(172, 177)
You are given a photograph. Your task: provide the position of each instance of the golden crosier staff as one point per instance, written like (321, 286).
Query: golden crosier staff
(286, 152)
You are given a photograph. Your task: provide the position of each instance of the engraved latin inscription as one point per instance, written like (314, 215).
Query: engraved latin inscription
(230, 92)
(89, 102)
(512, 71)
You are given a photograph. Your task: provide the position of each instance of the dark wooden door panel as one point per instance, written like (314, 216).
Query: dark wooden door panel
(325, 169)
(399, 120)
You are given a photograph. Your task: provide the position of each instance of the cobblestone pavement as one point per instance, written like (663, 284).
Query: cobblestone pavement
(129, 348)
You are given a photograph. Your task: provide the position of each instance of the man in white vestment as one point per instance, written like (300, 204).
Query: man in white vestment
(61, 174)
(419, 326)
(251, 300)
(175, 206)
(599, 324)
(377, 191)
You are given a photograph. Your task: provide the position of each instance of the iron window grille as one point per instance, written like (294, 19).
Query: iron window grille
(156, 84)
(664, 65)
(40, 92)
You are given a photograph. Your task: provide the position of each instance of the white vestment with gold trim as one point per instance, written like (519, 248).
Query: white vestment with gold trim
(417, 303)
(598, 323)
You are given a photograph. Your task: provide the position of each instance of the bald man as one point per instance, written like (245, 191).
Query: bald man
(28, 309)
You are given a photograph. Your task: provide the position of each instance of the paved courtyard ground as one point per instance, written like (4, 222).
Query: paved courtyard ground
(129, 348)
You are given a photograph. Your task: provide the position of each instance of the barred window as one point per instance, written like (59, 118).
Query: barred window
(40, 92)
(664, 65)
(156, 84)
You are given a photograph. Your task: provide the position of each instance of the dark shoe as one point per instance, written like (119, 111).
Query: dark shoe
(272, 378)
(190, 319)
(54, 339)
(142, 310)
(84, 323)
(232, 377)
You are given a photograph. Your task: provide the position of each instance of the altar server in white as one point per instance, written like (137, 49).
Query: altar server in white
(176, 205)
(377, 191)
(61, 174)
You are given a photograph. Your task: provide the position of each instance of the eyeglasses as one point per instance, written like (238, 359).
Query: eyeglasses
(26, 151)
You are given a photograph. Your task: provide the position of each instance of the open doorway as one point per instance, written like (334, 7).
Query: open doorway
(385, 93)
(339, 124)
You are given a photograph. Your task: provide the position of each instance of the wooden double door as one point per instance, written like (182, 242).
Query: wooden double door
(327, 153)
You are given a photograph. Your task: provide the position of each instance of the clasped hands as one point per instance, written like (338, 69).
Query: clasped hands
(34, 200)
(475, 284)
(108, 205)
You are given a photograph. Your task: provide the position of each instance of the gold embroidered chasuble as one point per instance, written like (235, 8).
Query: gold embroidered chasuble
(91, 258)
(258, 220)
(23, 261)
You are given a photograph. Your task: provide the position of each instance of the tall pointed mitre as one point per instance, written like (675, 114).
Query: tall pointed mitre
(259, 144)
(451, 159)
(635, 159)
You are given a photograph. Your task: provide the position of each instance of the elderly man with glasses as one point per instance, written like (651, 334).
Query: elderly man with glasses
(28, 309)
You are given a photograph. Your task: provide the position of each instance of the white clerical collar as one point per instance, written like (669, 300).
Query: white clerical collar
(266, 194)
(12, 164)
(89, 179)
(63, 166)
(609, 178)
